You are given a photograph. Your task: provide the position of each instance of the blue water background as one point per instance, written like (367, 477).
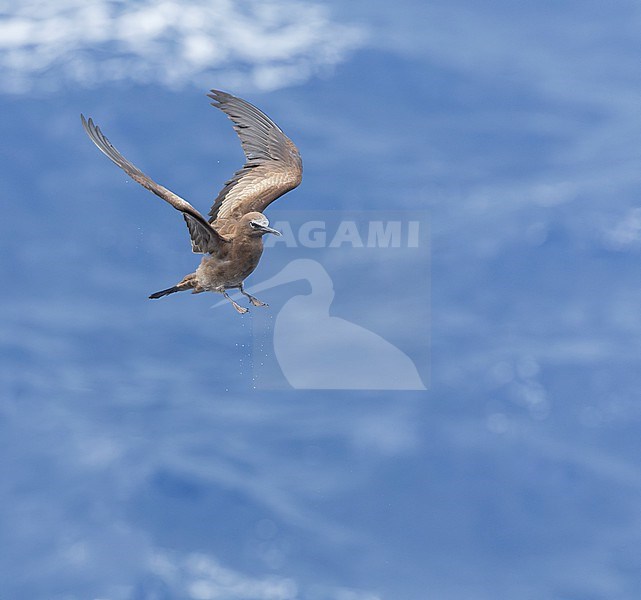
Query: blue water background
(138, 463)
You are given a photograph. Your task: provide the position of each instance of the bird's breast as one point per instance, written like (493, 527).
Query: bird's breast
(231, 270)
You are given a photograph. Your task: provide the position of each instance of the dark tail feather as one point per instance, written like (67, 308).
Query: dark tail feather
(166, 292)
(189, 282)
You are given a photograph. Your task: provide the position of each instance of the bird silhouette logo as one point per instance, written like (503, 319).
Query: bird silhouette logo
(316, 350)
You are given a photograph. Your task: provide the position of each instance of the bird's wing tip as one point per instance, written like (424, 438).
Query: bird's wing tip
(218, 96)
(88, 123)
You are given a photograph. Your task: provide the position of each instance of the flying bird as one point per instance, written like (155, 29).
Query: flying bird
(231, 240)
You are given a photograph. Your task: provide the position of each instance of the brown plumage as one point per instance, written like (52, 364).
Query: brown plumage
(232, 238)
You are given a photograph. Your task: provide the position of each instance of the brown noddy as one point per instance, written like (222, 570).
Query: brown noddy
(232, 238)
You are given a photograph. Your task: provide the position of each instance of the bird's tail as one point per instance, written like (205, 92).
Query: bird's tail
(166, 292)
(188, 283)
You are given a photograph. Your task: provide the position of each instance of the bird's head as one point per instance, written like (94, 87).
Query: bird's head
(257, 225)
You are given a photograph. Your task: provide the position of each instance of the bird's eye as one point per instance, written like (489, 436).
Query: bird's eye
(254, 225)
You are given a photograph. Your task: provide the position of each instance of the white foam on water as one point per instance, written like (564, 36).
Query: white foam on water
(261, 44)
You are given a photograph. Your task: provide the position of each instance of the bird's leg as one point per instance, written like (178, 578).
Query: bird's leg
(238, 307)
(255, 301)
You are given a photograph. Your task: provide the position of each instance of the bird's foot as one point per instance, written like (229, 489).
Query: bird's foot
(235, 304)
(256, 302)
(240, 308)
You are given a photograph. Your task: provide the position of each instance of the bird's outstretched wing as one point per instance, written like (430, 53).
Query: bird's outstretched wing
(273, 165)
(204, 238)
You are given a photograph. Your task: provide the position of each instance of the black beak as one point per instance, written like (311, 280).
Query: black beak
(266, 229)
